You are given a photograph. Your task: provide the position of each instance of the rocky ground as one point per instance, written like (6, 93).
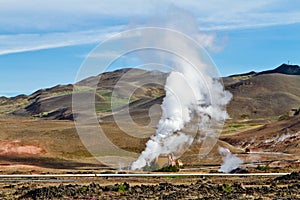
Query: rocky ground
(285, 187)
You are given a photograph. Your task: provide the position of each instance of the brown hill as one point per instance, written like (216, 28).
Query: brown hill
(56, 102)
(263, 96)
(281, 136)
(255, 95)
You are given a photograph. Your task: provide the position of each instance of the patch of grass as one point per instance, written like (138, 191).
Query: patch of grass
(263, 168)
(111, 103)
(103, 107)
(236, 126)
(283, 117)
(106, 94)
(227, 188)
(122, 188)
(168, 169)
(84, 189)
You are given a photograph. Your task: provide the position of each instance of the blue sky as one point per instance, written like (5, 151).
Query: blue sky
(43, 43)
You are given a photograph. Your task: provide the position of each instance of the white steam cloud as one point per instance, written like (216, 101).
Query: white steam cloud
(191, 93)
(195, 97)
(230, 161)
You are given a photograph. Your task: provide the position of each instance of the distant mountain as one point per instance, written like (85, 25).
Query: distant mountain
(284, 69)
(267, 94)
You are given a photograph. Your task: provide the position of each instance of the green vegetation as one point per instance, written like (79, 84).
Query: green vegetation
(84, 189)
(106, 94)
(227, 188)
(122, 188)
(263, 168)
(283, 117)
(236, 126)
(110, 103)
(287, 115)
(168, 169)
(103, 107)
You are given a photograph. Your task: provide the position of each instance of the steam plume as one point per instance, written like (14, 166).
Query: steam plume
(194, 94)
(230, 161)
(190, 94)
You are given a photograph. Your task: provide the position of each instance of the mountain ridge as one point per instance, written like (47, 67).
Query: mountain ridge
(254, 94)
(282, 69)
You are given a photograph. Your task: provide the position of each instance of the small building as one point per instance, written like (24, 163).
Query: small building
(179, 163)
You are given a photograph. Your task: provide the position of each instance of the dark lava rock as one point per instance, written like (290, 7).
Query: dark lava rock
(293, 177)
(202, 189)
(239, 171)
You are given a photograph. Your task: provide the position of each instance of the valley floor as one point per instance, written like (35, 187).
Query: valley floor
(30, 146)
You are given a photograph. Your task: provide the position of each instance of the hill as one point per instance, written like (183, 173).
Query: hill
(258, 99)
(263, 95)
(281, 136)
(56, 102)
(266, 95)
(282, 69)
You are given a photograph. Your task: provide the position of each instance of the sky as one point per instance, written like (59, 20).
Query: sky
(44, 43)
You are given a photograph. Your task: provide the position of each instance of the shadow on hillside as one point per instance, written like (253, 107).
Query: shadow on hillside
(47, 162)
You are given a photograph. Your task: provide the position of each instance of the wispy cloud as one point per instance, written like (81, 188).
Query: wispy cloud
(30, 42)
(30, 25)
(78, 14)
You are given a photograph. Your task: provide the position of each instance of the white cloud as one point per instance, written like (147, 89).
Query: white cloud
(76, 14)
(31, 42)
(108, 55)
(29, 25)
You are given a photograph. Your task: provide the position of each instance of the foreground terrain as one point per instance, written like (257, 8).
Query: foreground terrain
(257, 187)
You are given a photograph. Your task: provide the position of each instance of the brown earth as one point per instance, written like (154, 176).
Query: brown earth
(15, 148)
